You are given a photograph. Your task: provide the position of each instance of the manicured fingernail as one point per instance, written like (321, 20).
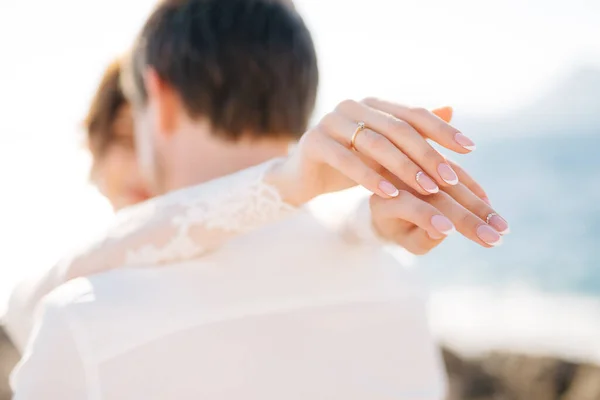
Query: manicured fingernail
(447, 174)
(442, 224)
(487, 201)
(427, 183)
(489, 235)
(464, 141)
(498, 223)
(389, 189)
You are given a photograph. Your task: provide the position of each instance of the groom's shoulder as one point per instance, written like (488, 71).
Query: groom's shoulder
(118, 289)
(73, 300)
(116, 303)
(73, 292)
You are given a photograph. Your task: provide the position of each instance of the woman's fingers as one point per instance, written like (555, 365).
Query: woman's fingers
(386, 214)
(404, 137)
(471, 201)
(348, 163)
(386, 142)
(419, 241)
(380, 149)
(467, 195)
(469, 182)
(445, 113)
(469, 224)
(427, 124)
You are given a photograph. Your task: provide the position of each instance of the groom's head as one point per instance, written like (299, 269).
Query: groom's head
(218, 84)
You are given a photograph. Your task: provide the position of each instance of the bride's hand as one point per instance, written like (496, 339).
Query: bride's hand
(420, 223)
(338, 153)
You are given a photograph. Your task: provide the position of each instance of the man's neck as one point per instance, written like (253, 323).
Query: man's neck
(242, 155)
(200, 162)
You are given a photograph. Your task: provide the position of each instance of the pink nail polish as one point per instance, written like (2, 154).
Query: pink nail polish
(442, 224)
(427, 183)
(464, 141)
(447, 174)
(498, 223)
(489, 235)
(389, 189)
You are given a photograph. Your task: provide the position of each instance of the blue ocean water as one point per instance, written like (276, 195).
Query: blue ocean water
(548, 188)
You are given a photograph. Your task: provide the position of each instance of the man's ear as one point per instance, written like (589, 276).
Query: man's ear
(164, 102)
(444, 113)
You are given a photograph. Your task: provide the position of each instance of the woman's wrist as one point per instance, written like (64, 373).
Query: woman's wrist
(282, 177)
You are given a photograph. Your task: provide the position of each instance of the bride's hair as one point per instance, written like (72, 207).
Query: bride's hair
(104, 111)
(245, 65)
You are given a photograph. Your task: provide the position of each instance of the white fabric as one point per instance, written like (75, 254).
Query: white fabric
(179, 226)
(290, 310)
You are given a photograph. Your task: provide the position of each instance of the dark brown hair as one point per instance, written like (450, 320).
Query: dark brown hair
(109, 99)
(248, 66)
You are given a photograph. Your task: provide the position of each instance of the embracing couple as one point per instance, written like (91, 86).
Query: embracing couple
(224, 285)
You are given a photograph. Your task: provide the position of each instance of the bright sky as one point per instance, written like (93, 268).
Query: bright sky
(479, 56)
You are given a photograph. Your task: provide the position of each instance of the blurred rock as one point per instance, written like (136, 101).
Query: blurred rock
(8, 358)
(506, 376)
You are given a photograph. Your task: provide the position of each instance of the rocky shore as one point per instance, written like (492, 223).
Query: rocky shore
(506, 376)
(496, 376)
(8, 358)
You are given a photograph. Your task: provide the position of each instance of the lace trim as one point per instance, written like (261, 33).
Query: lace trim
(235, 204)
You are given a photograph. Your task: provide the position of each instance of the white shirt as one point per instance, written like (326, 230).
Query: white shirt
(287, 311)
